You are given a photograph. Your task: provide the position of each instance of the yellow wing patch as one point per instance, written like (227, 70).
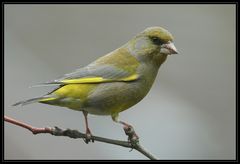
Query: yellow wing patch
(47, 99)
(98, 80)
(130, 78)
(84, 80)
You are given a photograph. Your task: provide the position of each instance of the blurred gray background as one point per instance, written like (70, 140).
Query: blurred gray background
(188, 114)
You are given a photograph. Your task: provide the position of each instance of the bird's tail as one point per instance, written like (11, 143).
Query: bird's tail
(34, 100)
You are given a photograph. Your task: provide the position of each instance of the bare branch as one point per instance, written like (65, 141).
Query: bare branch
(133, 142)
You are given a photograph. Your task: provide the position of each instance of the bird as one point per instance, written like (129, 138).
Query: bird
(114, 82)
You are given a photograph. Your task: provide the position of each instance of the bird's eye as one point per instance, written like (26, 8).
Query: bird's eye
(156, 40)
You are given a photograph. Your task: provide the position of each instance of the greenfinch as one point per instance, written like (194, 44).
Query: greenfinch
(114, 82)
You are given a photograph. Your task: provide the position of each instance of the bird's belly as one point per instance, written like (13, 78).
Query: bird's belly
(110, 98)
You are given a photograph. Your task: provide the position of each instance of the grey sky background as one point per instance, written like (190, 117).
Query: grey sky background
(188, 114)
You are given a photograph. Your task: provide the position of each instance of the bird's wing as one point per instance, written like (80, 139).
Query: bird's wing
(117, 66)
(97, 74)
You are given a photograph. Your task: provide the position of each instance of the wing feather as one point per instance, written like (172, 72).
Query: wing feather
(98, 74)
(116, 66)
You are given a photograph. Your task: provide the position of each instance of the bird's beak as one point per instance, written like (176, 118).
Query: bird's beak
(168, 48)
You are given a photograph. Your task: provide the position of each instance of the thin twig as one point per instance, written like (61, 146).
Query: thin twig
(133, 142)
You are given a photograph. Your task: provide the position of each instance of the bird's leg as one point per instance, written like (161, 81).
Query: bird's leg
(128, 129)
(88, 132)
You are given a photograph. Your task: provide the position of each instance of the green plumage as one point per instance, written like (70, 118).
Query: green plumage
(116, 81)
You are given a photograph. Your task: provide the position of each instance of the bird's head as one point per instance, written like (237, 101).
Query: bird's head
(154, 43)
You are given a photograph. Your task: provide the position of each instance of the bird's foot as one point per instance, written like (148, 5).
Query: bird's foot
(132, 136)
(89, 136)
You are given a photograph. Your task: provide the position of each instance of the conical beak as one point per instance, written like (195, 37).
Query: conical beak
(168, 48)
